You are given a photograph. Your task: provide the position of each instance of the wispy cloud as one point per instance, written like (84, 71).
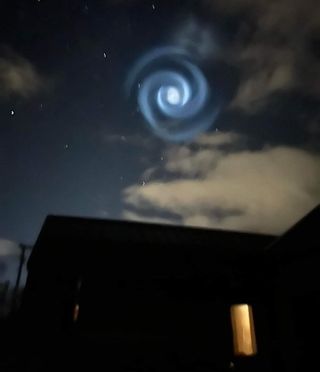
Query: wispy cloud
(197, 38)
(18, 77)
(8, 247)
(133, 216)
(261, 191)
(272, 48)
(265, 71)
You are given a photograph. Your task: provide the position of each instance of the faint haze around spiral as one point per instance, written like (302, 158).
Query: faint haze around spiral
(173, 94)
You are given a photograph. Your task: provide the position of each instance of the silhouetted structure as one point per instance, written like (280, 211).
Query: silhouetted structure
(140, 297)
(295, 287)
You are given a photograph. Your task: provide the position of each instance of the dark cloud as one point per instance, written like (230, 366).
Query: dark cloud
(273, 47)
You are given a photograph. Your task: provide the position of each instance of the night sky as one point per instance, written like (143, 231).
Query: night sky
(73, 141)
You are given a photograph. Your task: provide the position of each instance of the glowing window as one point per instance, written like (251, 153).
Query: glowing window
(244, 339)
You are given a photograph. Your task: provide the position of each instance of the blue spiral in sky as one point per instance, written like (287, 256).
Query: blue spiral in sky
(173, 94)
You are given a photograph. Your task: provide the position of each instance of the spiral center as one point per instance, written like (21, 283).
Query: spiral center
(173, 96)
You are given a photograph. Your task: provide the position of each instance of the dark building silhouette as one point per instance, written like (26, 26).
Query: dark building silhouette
(295, 287)
(125, 296)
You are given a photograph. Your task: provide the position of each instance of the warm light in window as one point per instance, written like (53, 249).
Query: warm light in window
(76, 312)
(244, 339)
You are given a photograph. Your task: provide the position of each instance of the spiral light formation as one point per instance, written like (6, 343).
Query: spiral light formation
(172, 94)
